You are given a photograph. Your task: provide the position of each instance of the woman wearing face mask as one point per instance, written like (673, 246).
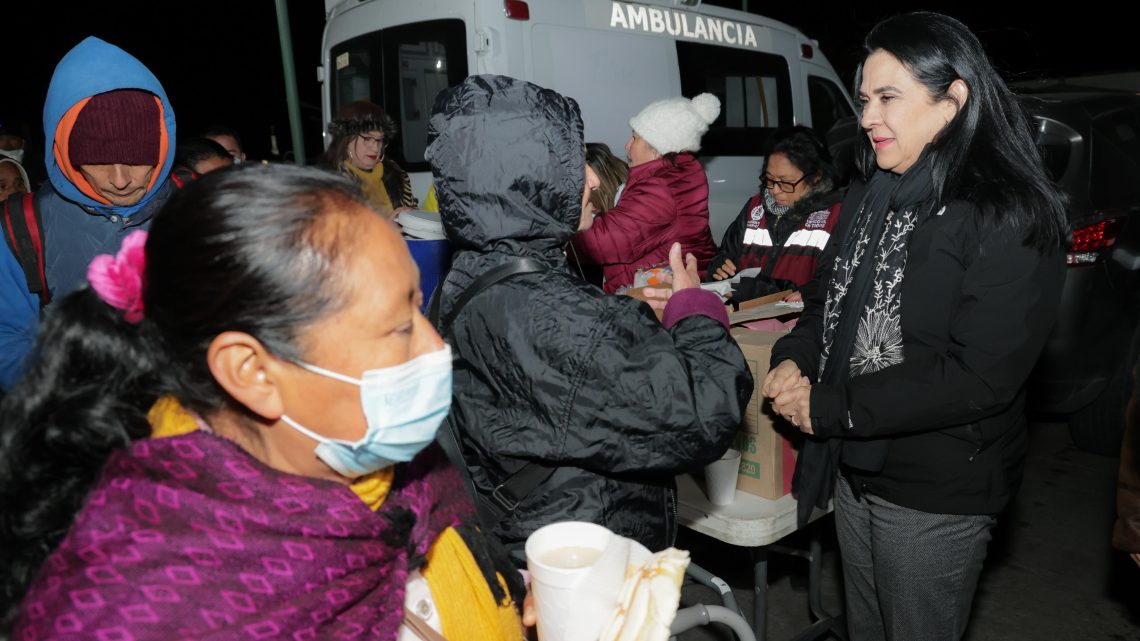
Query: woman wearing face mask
(907, 369)
(361, 134)
(784, 228)
(550, 371)
(234, 415)
(666, 196)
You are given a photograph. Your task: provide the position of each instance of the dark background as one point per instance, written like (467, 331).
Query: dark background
(220, 61)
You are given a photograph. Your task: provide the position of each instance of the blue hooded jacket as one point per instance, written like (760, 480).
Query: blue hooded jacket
(19, 314)
(76, 227)
(91, 68)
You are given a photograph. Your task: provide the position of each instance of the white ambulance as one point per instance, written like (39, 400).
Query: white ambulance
(612, 56)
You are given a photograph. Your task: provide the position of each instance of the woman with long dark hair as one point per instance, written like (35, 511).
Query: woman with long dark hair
(229, 434)
(908, 367)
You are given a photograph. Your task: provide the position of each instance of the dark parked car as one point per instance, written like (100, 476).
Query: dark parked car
(1091, 144)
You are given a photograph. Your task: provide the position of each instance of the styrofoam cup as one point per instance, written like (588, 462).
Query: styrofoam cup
(720, 478)
(552, 583)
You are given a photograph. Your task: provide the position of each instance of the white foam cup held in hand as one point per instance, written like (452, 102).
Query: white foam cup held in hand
(559, 558)
(720, 478)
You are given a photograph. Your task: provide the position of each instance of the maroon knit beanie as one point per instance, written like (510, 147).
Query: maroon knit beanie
(117, 127)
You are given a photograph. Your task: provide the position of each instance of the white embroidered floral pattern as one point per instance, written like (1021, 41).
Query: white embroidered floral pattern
(844, 274)
(878, 337)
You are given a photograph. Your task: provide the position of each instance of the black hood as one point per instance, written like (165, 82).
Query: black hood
(509, 164)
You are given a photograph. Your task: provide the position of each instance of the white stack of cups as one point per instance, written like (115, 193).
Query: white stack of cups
(720, 478)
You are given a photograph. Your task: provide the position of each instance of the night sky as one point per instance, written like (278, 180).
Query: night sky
(220, 61)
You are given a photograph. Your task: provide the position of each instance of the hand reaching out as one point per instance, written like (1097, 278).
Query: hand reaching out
(684, 276)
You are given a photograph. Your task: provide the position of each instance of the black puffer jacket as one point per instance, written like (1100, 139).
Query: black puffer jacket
(549, 368)
(977, 307)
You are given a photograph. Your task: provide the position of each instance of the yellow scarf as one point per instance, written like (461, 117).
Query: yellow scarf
(467, 609)
(372, 184)
(430, 202)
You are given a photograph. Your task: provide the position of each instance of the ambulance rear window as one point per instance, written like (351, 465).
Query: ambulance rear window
(402, 68)
(754, 91)
(828, 104)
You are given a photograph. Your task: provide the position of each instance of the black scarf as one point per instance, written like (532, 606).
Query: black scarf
(862, 325)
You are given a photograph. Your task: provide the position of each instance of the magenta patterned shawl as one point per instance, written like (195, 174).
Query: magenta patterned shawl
(189, 537)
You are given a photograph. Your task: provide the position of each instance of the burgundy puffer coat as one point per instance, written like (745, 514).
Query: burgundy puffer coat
(662, 203)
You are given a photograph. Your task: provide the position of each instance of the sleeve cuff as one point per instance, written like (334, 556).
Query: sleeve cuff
(694, 302)
(778, 358)
(829, 415)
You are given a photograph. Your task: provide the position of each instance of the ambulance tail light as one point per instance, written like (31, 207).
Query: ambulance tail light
(516, 9)
(807, 52)
(1090, 242)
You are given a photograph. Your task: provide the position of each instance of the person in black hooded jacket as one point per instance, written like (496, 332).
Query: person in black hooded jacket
(549, 368)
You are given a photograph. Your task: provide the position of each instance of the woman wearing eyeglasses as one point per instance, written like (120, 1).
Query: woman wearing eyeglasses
(784, 228)
(361, 135)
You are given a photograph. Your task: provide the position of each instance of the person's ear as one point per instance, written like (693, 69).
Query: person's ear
(958, 92)
(247, 372)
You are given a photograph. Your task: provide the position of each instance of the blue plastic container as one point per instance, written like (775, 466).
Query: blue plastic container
(433, 258)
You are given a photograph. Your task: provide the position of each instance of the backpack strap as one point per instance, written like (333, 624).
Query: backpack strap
(23, 231)
(501, 501)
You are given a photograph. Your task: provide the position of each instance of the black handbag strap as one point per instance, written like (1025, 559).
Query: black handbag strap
(505, 497)
(485, 280)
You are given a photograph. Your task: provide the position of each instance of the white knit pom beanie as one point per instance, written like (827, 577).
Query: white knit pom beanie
(676, 124)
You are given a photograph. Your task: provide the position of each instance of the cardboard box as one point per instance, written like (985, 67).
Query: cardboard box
(767, 457)
(764, 300)
(771, 306)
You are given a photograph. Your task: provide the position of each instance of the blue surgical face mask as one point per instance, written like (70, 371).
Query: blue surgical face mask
(404, 406)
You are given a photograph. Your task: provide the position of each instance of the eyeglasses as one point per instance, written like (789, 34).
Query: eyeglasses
(377, 140)
(785, 186)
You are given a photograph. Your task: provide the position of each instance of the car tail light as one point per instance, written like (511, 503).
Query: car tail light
(1090, 241)
(516, 9)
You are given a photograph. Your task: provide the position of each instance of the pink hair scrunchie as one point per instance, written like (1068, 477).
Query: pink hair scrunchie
(118, 279)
